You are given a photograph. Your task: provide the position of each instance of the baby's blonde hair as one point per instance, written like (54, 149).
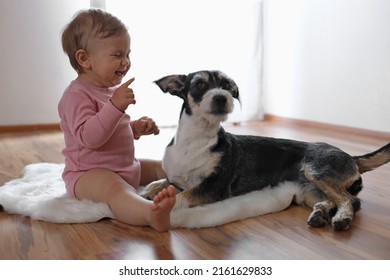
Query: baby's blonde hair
(86, 26)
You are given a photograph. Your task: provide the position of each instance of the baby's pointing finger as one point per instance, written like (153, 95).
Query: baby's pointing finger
(129, 82)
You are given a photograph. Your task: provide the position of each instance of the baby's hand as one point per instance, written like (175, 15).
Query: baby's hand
(123, 96)
(145, 126)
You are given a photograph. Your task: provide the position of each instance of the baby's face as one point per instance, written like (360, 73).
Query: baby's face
(109, 60)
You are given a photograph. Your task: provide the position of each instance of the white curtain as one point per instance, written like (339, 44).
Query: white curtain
(183, 36)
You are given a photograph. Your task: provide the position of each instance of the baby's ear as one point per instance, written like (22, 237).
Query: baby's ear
(82, 58)
(174, 84)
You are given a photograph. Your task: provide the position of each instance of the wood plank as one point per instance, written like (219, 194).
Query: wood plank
(29, 128)
(329, 127)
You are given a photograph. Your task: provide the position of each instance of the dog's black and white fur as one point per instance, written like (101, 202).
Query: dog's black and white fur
(208, 164)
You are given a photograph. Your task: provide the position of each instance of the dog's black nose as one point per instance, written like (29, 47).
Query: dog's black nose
(219, 100)
(219, 105)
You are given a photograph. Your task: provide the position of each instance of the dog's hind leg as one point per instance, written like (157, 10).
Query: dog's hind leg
(333, 172)
(339, 197)
(319, 202)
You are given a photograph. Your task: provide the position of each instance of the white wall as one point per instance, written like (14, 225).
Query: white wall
(329, 61)
(325, 60)
(34, 71)
(183, 36)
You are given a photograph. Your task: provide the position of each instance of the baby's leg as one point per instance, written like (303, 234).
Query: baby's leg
(103, 185)
(151, 170)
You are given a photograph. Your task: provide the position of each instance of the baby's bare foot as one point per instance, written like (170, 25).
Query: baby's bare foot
(163, 203)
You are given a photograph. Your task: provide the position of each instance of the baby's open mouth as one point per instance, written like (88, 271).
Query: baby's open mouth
(120, 73)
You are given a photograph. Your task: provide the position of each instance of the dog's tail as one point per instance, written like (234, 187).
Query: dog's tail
(373, 160)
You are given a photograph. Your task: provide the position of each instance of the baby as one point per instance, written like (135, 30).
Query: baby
(99, 135)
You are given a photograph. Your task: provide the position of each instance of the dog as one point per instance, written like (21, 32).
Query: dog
(206, 164)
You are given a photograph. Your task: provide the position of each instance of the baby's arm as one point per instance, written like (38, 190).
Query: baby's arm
(91, 127)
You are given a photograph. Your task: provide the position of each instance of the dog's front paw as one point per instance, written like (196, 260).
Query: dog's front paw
(150, 191)
(181, 202)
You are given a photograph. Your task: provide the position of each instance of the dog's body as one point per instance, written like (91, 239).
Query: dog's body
(208, 164)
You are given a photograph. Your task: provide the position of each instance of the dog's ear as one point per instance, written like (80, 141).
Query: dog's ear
(174, 84)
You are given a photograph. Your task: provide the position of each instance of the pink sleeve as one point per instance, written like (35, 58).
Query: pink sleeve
(92, 128)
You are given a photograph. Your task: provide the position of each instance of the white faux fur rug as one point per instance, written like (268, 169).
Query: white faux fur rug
(40, 194)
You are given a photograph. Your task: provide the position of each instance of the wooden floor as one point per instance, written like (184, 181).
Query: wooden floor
(281, 235)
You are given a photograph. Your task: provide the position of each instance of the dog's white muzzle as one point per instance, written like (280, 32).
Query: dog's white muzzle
(217, 102)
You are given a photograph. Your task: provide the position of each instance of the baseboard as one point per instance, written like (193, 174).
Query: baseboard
(29, 128)
(267, 118)
(325, 126)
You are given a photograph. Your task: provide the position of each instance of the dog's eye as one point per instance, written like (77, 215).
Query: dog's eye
(200, 85)
(225, 85)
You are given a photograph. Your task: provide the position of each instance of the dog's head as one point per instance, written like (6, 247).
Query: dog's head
(208, 94)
